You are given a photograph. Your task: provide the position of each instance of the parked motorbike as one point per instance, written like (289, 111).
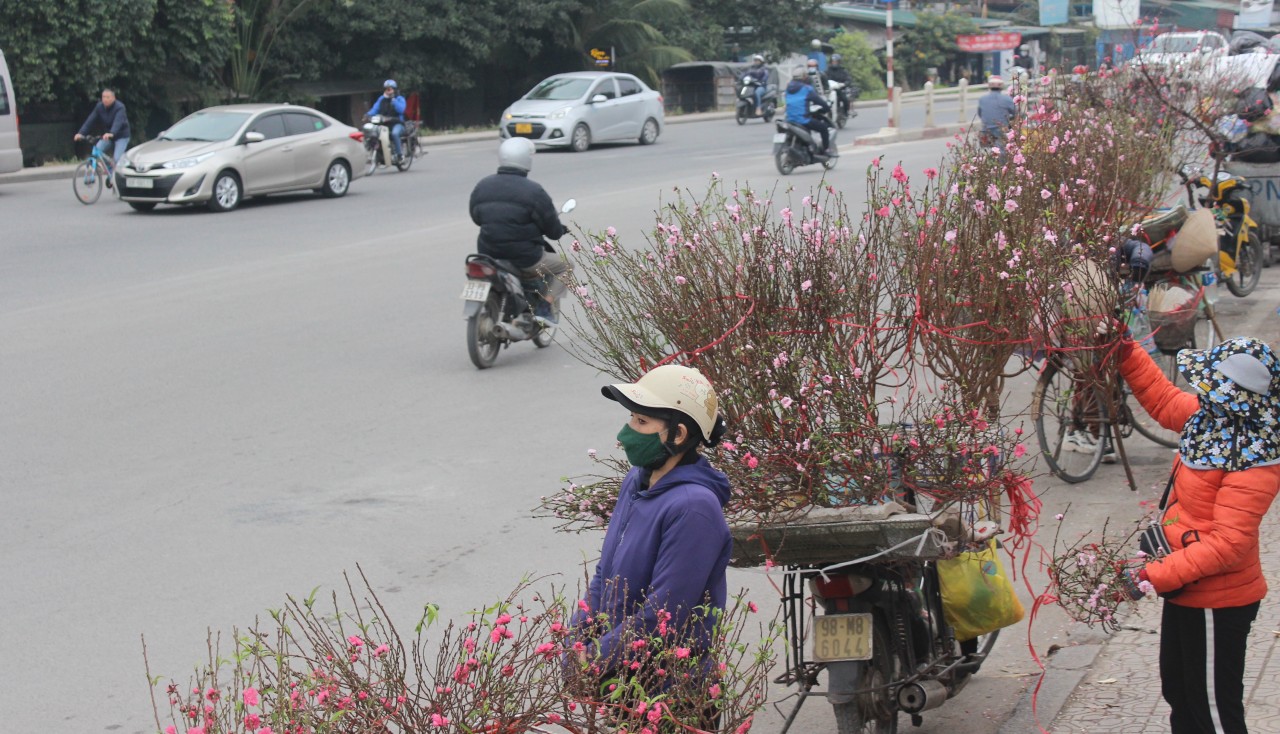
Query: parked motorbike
(841, 97)
(500, 305)
(880, 633)
(1240, 253)
(377, 144)
(796, 145)
(746, 108)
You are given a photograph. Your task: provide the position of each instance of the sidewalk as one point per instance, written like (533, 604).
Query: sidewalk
(1110, 684)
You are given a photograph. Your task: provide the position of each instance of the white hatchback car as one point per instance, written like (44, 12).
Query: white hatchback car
(220, 155)
(577, 109)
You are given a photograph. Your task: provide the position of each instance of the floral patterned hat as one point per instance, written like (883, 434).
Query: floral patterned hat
(1237, 371)
(1238, 425)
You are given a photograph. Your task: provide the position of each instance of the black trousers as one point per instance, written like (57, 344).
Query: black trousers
(1183, 663)
(823, 128)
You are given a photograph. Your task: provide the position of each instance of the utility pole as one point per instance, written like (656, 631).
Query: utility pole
(888, 58)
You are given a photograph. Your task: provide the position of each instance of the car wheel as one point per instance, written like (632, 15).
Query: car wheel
(581, 139)
(336, 180)
(227, 192)
(649, 133)
(142, 206)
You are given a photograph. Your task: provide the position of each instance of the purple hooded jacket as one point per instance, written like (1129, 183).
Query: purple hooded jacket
(667, 547)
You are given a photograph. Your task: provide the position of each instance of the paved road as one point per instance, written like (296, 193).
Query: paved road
(204, 412)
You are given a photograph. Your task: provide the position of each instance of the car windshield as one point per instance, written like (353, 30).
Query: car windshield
(562, 88)
(1174, 44)
(207, 126)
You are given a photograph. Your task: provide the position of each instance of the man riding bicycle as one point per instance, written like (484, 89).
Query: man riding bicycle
(108, 115)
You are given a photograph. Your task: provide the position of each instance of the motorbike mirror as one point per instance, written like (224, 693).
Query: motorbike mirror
(569, 206)
(254, 137)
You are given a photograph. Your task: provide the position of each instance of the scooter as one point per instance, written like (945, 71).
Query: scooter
(746, 107)
(796, 145)
(377, 144)
(1240, 252)
(500, 306)
(840, 96)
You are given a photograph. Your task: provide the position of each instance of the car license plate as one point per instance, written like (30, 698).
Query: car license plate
(140, 183)
(476, 290)
(524, 128)
(842, 637)
(780, 137)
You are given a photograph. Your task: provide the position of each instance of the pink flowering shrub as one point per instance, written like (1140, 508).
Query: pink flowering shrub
(344, 667)
(1087, 576)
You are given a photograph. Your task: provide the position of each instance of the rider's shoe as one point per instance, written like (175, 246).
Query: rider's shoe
(1080, 442)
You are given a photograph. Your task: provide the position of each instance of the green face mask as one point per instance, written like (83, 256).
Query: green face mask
(643, 449)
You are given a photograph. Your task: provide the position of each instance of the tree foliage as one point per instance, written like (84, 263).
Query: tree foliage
(633, 29)
(931, 43)
(771, 27)
(860, 59)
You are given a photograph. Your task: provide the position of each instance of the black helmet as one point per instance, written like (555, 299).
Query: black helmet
(836, 58)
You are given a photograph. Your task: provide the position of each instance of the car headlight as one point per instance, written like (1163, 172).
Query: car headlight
(560, 113)
(507, 115)
(187, 162)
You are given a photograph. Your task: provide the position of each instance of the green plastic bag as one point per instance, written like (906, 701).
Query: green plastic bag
(977, 597)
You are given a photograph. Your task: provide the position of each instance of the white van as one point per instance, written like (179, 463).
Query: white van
(10, 152)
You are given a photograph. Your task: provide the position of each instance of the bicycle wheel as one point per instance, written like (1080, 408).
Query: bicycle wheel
(1248, 267)
(1140, 419)
(87, 182)
(1071, 422)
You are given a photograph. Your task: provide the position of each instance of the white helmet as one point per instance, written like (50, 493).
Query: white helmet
(671, 387)
(816, 44)
(516, 153)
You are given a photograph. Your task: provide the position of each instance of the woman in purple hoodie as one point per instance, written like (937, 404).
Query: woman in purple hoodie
(667, 546)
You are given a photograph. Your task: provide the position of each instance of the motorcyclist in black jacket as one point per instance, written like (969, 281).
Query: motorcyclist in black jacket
(514, 214)
(837, 73)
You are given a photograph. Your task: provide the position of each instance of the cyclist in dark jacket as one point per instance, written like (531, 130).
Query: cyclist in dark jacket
(109, 116)
(514, 214)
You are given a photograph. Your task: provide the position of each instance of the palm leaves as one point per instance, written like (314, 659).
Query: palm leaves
(632, 28)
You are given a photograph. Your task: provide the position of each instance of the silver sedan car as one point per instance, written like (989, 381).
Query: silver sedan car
(220, 155)
(585, 107)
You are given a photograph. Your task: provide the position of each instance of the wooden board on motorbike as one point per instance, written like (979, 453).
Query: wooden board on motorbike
(837, 534)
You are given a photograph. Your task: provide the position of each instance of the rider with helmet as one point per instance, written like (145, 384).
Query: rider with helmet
(391, 106)
(667, 544)
(514, 214)
(799, 96)
(816, 78)
(836, 72)
(760, 74)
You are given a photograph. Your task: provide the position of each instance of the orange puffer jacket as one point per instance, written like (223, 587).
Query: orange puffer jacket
(1212, 516)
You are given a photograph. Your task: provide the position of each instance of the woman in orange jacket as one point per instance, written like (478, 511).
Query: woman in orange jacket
(1225, 478)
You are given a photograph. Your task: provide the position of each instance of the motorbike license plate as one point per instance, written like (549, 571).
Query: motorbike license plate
(140, 183)
(842, 637)
(524, 128)
(476, 290)
(779, 137)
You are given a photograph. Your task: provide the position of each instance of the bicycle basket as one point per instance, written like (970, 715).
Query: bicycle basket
(1174, 329)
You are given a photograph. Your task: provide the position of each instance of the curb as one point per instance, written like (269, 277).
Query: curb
(1064, 670)
(896, 135)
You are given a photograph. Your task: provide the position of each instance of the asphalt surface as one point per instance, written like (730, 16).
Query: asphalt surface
(205, 412)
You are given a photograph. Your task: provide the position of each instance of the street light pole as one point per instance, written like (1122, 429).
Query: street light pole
(888, 58)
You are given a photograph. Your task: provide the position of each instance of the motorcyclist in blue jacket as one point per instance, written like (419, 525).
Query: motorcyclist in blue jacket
(391, 106)
(667, 545)
(759, 73)
(799, 96)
